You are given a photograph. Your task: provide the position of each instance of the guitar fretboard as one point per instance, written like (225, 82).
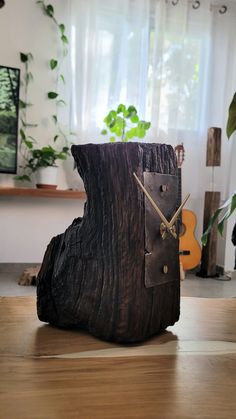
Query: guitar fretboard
(179, 175)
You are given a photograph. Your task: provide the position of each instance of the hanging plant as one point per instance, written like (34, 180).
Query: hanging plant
(55, 64)
(34, 157)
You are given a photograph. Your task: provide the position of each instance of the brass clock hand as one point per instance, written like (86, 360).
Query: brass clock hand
(165, 225)
(175, 216)
(159, 212)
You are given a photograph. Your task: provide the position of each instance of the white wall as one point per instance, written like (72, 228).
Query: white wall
(27, 224)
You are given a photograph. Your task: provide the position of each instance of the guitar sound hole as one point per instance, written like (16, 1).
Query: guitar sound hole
(182, 230)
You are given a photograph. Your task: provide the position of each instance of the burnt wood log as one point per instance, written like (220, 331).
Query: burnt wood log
(94, 276)
(209, 252)
(213, 155)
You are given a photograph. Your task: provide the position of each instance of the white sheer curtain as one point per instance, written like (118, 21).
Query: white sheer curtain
(175, 63)
(110, 43)
(149, 53)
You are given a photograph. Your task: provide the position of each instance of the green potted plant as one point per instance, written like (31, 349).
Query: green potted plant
(124, 124)
(42, 161)
(230, 204)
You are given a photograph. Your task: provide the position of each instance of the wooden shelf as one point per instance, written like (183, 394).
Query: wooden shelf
(43, 193)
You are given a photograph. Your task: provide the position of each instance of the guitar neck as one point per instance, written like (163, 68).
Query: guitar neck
(179, 176)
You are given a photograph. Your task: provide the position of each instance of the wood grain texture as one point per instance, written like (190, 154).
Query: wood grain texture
(93, 275)
(172, 384)
(209, 252)
(213, 155)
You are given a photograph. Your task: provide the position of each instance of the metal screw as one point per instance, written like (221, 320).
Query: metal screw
(163, 188)
(165, 269)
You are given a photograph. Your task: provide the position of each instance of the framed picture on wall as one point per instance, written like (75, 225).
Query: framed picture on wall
(9, 106)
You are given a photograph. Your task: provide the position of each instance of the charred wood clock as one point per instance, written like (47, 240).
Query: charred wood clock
(115, 272)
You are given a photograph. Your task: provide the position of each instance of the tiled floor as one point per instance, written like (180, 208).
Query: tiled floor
(192, 286)
(9, 276)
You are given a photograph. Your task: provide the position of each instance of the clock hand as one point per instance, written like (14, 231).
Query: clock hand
(161, 215)
(169, 225)
(174, 218)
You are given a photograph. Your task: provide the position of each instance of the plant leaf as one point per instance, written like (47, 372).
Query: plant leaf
(231, 123)
(23, 57)
(29, 77)
(28, 144)
(118, 131)
(141, 132)
(121, 108)
(62, 28)
(22, 104)
(61, 101)
(147, 125)
(55, 138)
(212, 221)
(61, 156)
(53, 64)
(62, 78)
(23, 178)
(104, 132)
(134, 118)
(49, 10)
(131, 133)
(64, 39)
(112, 139)
(22, 134)
(113, 114)
(54, 117)
(131, 111)
(31, 125)
(32, 138)
(231, 201)
(52, 95)
(112, 126)
(228, 213)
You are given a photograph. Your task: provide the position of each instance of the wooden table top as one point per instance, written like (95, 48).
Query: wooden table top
(187, 372)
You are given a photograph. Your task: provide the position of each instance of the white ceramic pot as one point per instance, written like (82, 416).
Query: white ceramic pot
(46, 177)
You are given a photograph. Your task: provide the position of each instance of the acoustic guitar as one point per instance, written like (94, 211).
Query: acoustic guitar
(189, 248)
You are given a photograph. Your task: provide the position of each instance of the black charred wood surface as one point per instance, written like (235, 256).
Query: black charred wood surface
(93, 275)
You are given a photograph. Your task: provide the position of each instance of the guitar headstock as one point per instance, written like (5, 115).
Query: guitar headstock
(180, 153)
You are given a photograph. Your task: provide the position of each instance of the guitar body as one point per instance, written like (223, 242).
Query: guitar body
(188, 242)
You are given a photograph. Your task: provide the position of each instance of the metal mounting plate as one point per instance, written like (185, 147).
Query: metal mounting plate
(160, 255)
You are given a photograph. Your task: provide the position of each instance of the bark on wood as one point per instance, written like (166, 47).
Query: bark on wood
(213, 156)
(93, 275)
(209, 252)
